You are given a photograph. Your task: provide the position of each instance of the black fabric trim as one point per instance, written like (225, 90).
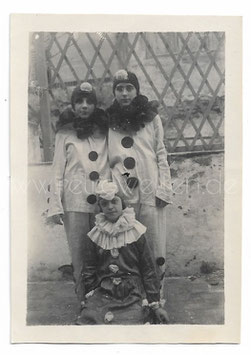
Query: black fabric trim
(134, 117)
(84, 128)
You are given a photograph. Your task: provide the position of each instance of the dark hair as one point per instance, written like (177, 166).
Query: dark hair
(122, 202)
(80, 92)
(125, 77)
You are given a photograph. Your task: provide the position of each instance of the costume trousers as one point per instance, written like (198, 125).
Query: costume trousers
(156, 221)
(77, 225)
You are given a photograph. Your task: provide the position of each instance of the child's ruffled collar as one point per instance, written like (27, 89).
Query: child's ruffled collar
(110, 235)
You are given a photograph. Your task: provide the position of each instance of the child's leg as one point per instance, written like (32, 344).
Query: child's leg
(77, 225)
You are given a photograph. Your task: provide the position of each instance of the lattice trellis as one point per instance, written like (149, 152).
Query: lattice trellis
(188, 83)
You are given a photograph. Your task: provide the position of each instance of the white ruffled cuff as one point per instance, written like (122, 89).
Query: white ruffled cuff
(154, 305)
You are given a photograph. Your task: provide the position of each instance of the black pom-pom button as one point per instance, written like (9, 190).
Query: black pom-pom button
(92, 199)
(127, 142)
(93, 155)
(129, 163)
(94, 175)
(132, 182)
(160, 261)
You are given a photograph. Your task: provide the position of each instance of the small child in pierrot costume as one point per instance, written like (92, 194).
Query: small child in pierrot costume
(119, 281)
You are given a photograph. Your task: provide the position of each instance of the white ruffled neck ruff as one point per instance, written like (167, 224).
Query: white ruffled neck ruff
(110, 235)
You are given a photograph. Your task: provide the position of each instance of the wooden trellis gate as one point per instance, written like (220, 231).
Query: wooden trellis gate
(183, 71)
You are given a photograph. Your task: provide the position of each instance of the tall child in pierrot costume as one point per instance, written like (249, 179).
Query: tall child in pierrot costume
(138, 159)
(80, 161)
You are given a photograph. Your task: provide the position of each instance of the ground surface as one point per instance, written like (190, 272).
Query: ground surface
(190, 300)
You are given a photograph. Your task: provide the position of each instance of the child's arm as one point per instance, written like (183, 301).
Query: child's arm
(151, 280)
(88, 277)
(89, 273)
(57, 181)
(148, 271)
(164, 189)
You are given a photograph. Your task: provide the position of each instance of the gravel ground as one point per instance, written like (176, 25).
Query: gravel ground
(189, 300)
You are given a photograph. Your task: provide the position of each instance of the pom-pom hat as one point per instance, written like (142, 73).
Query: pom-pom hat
(83, 90)
(106, 190)
(124, 76)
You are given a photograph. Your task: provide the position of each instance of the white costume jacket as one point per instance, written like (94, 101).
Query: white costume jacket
(141, 155)
(78, 165)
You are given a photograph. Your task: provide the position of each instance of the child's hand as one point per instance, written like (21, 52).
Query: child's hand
(160, 203)
(161, 316)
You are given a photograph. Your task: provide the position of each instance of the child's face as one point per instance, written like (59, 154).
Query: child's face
(125, 93)
(84, 108)
(112, 209)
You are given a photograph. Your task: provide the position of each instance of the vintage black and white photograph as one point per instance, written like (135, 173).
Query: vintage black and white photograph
(126, 178)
